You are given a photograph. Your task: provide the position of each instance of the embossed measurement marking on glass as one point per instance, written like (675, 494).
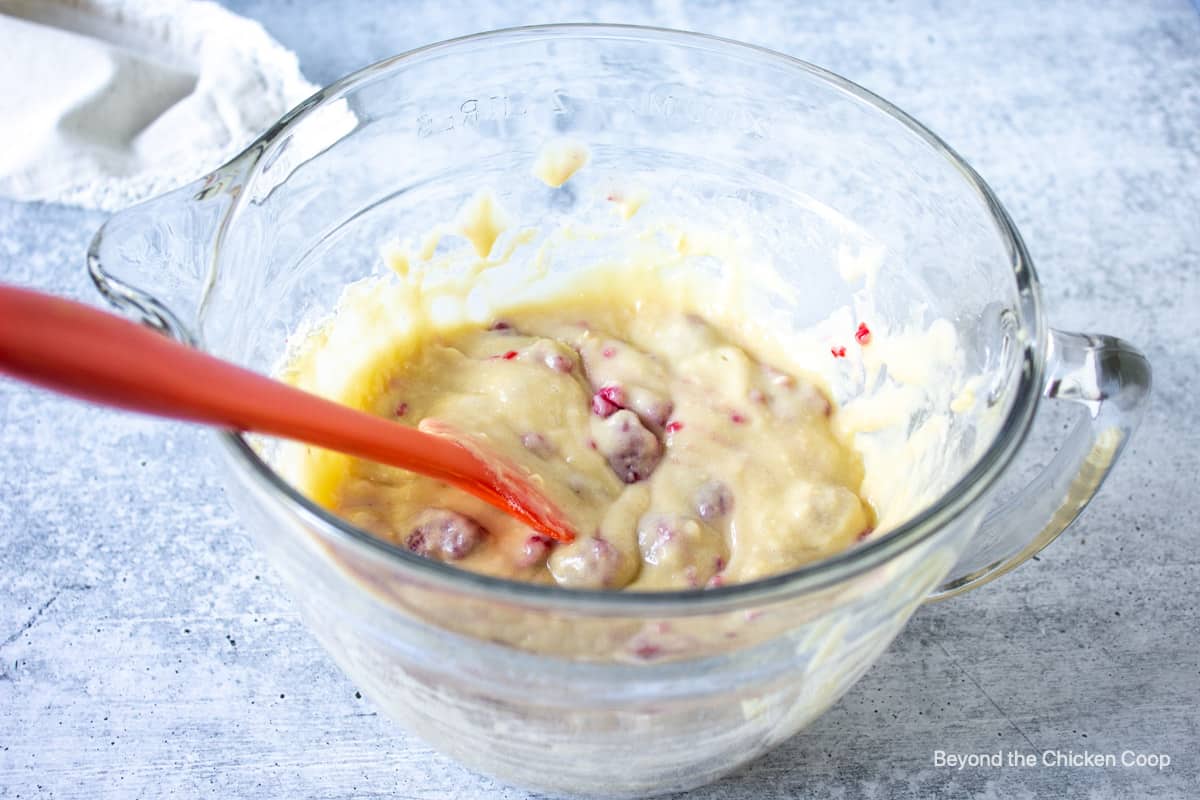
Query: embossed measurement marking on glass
(669, 102)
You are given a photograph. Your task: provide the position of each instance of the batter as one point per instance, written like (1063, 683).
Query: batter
(631, 396)
(682, 461)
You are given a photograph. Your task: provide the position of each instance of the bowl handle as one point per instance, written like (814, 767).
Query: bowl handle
(154, 261)
(1111, 380)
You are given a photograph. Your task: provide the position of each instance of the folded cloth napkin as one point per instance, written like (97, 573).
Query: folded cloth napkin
(107, 102)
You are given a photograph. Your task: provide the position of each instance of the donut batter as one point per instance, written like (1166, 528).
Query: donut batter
(682, 461)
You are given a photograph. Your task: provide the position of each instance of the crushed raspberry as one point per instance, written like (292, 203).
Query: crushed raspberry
(863, 334)
(608, 400)
(756, 396)
(444, 535)
(401, 409)
(672, 427)
(594, 563)
(500, 325)
(608, 352)
(716, 581)
(614, 395)
(736, 418)
(534, 551)
(838, 352)
(713, 500)
(602, 407)
(632, 451)
(865, 533)
(647, 650)
(510, 355)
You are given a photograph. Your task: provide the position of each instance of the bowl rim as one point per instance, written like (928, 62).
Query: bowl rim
(972, 486)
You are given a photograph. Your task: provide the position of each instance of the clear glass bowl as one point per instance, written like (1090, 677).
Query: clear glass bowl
(619, 694)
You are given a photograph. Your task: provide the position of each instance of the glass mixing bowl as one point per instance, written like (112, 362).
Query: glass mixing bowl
(619, 694)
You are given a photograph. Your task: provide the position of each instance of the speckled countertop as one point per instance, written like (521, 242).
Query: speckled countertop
(147, 651)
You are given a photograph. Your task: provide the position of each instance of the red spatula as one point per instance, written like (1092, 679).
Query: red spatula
(82, 351)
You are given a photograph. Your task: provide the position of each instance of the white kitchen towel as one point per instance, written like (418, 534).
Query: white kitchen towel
(108, 102)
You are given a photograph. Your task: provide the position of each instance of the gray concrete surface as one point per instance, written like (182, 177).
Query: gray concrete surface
(147, 651)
